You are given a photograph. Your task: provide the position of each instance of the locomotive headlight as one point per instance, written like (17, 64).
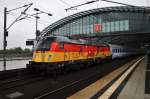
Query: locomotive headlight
(49, 57)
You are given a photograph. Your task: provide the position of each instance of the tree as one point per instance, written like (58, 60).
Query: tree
(18, 50)
(26, 50)
(1, 51)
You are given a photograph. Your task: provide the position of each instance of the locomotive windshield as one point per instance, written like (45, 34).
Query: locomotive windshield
(44, 45)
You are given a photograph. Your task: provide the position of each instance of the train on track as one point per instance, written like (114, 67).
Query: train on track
(59, 52)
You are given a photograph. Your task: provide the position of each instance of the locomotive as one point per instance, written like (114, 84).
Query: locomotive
(55, 52)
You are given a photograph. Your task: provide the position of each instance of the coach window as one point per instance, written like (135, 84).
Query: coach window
(115, 50)
(61, 45)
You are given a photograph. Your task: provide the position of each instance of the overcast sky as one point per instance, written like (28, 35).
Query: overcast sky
(25, 29)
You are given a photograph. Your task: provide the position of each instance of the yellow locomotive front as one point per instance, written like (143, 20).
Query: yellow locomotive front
(42, 50)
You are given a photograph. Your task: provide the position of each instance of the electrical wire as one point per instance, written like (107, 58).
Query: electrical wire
(43, 22)
(93, 1)
(147, 2)
(65, 3)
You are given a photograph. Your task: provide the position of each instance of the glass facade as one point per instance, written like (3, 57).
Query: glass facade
(109, 22)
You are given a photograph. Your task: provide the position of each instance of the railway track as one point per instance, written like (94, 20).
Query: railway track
(44, 87)
(3, 82)
(19, 82)
(68, 86)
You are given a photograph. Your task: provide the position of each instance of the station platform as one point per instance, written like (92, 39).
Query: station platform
(135, 87)
(131, 81)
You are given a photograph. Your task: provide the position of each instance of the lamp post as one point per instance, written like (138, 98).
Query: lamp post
(36, 27)
(6, 29)
(36, 15)
(5, 35)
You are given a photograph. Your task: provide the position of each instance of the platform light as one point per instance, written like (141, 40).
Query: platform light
(38, 11)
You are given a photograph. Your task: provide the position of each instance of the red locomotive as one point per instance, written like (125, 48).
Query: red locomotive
(54, 52)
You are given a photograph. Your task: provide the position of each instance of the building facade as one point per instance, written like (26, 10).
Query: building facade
(109, 20)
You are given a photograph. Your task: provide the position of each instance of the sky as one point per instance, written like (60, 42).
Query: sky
(25, 29)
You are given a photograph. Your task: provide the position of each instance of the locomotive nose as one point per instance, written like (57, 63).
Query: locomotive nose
(49, 57)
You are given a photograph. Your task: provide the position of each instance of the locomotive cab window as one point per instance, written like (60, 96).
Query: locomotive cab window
(61, 45)
(45, 44)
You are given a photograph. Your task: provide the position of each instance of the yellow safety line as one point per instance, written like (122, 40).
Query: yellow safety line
(90, 90)
(111, 89)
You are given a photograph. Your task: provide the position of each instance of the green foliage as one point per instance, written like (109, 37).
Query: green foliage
(26, 50)
(17, 50)
(1, 52)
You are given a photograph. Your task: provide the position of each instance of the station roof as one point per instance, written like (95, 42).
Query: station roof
(94, 11)
(131, 39)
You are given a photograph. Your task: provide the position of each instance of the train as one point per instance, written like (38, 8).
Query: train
(59, 52)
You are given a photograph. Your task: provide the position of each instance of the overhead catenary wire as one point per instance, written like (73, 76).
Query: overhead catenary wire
(147, 3)
(65, 3)
(15, 15)
(89, 2)
(118, 3)
(24, 11)
(93, 1)
(42, 22)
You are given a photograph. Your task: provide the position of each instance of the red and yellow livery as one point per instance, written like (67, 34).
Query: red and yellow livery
(53, 52)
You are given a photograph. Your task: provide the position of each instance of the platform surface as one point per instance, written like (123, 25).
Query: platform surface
(133, 89)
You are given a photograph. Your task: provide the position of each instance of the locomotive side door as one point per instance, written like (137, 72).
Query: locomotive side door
(61, 46)
(43, 56)
(66, 54)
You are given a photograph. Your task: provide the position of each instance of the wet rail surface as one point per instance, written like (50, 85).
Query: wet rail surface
(58, 88)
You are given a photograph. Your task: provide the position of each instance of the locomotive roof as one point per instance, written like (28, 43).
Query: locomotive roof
(74, 41)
